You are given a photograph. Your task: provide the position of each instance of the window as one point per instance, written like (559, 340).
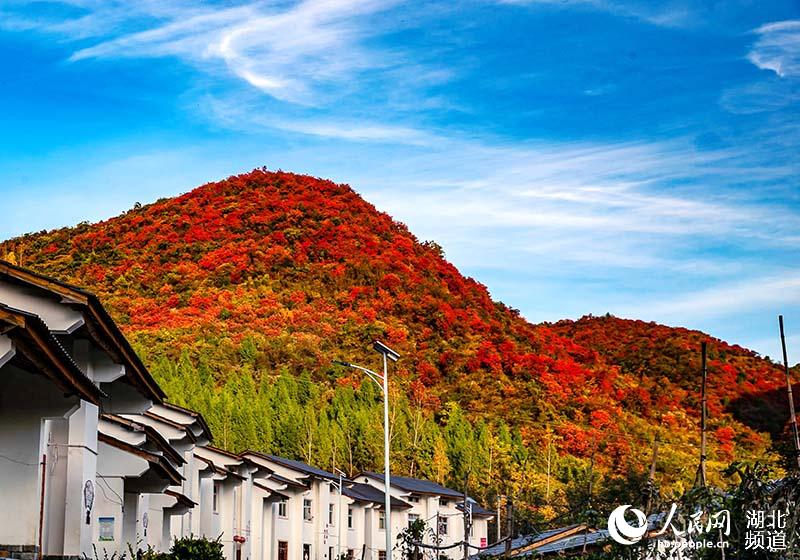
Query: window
(413, 498)
(442, 525)
(381, 520)
(412, 517)
(307, 551)
(330, 514)
(444, 503)
(215, 497)
(283, 550)
(381, 555)
(307, 510)
(349, 518)
(330, 553)
(282, 509)
(350, 554)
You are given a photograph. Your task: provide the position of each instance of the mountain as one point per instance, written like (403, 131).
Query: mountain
(240, 293)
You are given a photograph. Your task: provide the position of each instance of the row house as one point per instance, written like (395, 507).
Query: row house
(442, 509)
(94, 458)
(63, 360)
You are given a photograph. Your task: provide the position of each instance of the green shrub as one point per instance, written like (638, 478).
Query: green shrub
(193, 548)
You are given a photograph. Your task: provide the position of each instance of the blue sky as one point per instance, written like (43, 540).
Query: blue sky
(586, 156)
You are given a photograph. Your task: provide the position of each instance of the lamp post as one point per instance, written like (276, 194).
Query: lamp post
(382, 381)
(339, 521)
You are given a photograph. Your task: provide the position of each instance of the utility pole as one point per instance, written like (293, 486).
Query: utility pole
(499, 527)
(792, 416)
(652, 476)
(547, 490)
(589, 501)
(651, 479)
(509, 523)
(700, 479)
(466, 518)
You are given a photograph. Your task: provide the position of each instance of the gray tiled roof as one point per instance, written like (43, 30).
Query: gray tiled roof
(283, 480)
(367, 493)
(416, 485)
(302, 467)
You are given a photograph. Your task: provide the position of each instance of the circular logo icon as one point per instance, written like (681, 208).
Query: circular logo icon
(622, 531)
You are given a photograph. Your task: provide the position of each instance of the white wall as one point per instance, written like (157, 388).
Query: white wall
(25, 401)
(109, 501)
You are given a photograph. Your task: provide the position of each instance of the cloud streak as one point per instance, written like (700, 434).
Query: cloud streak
(629, 205)
(305, 53)
(749, 295)
(778, 48)
(777, 51)
(664, 14)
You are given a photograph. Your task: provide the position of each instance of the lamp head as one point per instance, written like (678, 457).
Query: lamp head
(381, 348)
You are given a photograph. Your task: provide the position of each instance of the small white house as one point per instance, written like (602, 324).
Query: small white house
(367, 521)
(135, 467)
(305, 517)
(184, 430)
(441, 508)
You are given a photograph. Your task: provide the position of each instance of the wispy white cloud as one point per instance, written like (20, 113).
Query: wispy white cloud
(302, 52)
(241, 113)
(665, 14)
(778, 48)
(627, 205)
(759, 97)
(747, 295)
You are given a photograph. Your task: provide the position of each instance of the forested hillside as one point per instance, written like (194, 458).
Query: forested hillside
(239, 294)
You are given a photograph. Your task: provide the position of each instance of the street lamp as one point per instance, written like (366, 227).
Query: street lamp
(339, 522)
(382, 381)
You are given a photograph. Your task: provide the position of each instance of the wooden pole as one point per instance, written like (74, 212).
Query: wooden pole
(792, 416)
(700, 480)
(651, 479)
(652, 476)
(547, 491)
(498, 506)
(509, 523)
(589, 500)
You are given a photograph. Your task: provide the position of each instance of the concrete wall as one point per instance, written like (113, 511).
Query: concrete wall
(26, 400)
(109, 503)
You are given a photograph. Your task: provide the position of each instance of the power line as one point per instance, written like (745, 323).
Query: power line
(121, 501)
(18, 462)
